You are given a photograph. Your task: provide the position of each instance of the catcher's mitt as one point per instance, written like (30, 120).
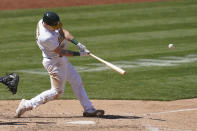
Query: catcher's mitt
(11, 80)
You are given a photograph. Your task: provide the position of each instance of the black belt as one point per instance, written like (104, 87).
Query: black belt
(50, 58)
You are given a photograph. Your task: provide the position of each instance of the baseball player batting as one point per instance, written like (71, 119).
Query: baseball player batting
(52, 41)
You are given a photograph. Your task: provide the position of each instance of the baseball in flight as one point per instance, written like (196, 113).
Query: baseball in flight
(171, 46)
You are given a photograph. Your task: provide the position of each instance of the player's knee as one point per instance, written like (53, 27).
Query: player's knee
(60, 92)
(57, 93)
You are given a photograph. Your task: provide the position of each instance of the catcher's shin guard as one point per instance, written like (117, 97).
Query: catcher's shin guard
(11, 81)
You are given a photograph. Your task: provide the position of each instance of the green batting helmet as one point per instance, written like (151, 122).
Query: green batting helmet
(52, 19)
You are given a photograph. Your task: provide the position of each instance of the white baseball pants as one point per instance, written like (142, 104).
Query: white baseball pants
(60, 71)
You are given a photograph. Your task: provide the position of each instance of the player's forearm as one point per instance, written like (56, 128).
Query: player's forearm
(68, 35)
(63, 52)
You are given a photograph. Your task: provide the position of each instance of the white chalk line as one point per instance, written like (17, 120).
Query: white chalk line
(151, 128)
(94, 67)
(164, 112)
(173, 111)
(156, 128)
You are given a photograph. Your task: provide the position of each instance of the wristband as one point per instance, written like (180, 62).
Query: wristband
(76, 53)
(74, 41)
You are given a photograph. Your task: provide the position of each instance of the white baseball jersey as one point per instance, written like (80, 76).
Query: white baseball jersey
(48, 41)
(59, 69)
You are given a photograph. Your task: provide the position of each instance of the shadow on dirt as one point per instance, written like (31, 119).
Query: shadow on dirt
(24, 123)
(120, 117)
(102, 117)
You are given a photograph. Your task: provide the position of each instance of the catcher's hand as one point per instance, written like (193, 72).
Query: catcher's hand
(11, 80)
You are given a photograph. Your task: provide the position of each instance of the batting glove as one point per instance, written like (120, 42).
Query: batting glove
(86, 52)
(81, 47)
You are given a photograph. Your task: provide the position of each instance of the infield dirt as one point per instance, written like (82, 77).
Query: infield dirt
(121, 115)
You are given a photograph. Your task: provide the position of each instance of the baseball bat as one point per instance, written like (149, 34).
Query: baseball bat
(110, 65)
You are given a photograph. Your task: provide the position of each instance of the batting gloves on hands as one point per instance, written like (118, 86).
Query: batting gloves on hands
(83, 50)
(86, 52)
(81, 47)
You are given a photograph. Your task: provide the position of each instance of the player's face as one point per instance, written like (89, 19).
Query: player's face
(58, 26)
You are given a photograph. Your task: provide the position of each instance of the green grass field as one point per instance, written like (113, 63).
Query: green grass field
(133, 36)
